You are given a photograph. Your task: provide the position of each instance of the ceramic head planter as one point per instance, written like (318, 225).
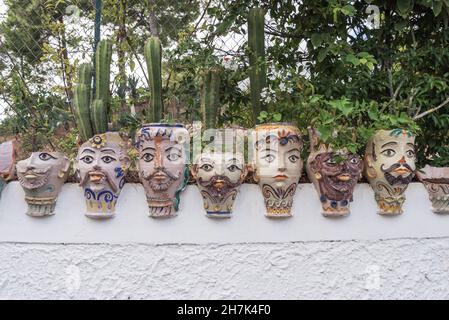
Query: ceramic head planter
(162, 166)
(41, 177)
(436, 181)
(101, 165)
(277, 165)
(7, 159)
(390, 167)
(219, 176)
(334, 175)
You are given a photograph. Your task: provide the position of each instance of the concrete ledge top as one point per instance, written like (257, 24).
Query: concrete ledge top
(248, 223)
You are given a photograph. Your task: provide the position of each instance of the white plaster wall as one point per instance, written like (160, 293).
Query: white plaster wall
(247, 257)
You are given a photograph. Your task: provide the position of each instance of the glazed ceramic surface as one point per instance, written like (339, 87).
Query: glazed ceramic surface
(162, 166)
(41, 177)
(101, 165)
(334, 175)
(277, 165)
(390, 167)
(436, 181)
(219, 176)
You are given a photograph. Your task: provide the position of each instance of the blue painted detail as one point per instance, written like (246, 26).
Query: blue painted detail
(89, 194)
(344, 203)
(334, 204)
(323, 198)
(119, 172)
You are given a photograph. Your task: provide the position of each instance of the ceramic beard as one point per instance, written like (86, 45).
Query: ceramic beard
(436, 181)
(41, 177)
(390, 167)
(219, 176)
(101, 165)
(278, 166)
(162, 166)
(334, 175)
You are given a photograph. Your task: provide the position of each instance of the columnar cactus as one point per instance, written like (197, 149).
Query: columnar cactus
(153, 57)
(92, 116)
(210, 97)
(257, 70)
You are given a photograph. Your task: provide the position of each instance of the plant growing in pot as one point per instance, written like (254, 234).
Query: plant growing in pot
(162, 147)
(333, 166)
(219, 170)
(390, 157)
(102, 160)
(435, 177)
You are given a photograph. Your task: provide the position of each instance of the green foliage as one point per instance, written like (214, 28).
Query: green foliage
(266, 117)
(210, 97)
(153, 57)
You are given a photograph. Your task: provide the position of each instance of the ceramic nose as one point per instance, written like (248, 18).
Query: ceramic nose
(402, 161)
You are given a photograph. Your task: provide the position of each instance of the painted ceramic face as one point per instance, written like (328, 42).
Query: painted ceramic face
(41, 177)
(162, 166)
(102, 163)
(278, 166)
(219, 177)
(436, 181)
(335, 178)
(390, 167)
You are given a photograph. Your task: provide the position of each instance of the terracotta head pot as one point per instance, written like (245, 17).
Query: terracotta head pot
(390, 167)
(101, 165)
(277, 165)
(41, 177)
(219, 176)
(436, 181)
(334, 175)
(162, 166)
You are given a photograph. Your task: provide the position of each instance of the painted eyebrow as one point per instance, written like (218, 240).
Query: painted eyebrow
(149, 148)
(389, 143)
(206, 160)
(268, 149)
(295, 149)
(90, 150)
(411, 145)
(170, 148)
(108, 150)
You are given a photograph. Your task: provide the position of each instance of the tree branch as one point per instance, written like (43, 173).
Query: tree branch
(445, 102)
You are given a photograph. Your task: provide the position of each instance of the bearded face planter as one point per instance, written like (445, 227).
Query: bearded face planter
(162, 166)
(436, 181)
(390, 167)
(334, 175)
(277, 165)
(41, 177)
(101, 165)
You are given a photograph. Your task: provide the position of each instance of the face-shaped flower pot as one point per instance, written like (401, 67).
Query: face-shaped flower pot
(162, 166)
(7, 160)
(277, 165)
(334, 175)
(390, 167)
(41, 177)
(219, 176)
(101, 165)
(436, 181)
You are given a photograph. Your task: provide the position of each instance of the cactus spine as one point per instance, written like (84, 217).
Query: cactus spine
(153, 57)
(92, 116)
(257, 70)
(210, 97)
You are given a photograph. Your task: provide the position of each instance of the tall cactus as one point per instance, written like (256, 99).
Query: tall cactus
(153, 57)
(210, 99)
(92, 116)
(257, 70)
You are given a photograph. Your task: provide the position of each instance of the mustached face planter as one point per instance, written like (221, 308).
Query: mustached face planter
(390, 167)
(277, 166)
(41, 177)
(436, 181)
(162, 166)
(101, 165)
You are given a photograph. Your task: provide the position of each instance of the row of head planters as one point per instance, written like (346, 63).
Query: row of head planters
(103, 161)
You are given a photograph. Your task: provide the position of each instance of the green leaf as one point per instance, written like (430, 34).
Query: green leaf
(277, 117)
(348, 10)
(325, 132)
(322, 54)
(437, 7)
(404, 6)
(316, 39)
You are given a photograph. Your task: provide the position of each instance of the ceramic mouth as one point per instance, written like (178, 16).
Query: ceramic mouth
(219, 184)
(401, 171)
(344, 177)
(280, 177)
(96, 176)
(160, 176)
(30, 176)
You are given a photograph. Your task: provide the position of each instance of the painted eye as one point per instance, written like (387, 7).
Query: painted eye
(293, 158)
(389, 153)
(269, 158)
(45, 156)
(173, 156)
(354, 161)
(233, 168)
(331, 161)
(147, 157)
(410, 153)
(87, 159)
(107, 159)
(206, 167)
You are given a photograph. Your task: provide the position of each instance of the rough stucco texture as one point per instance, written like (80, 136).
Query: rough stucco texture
(395, 269)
